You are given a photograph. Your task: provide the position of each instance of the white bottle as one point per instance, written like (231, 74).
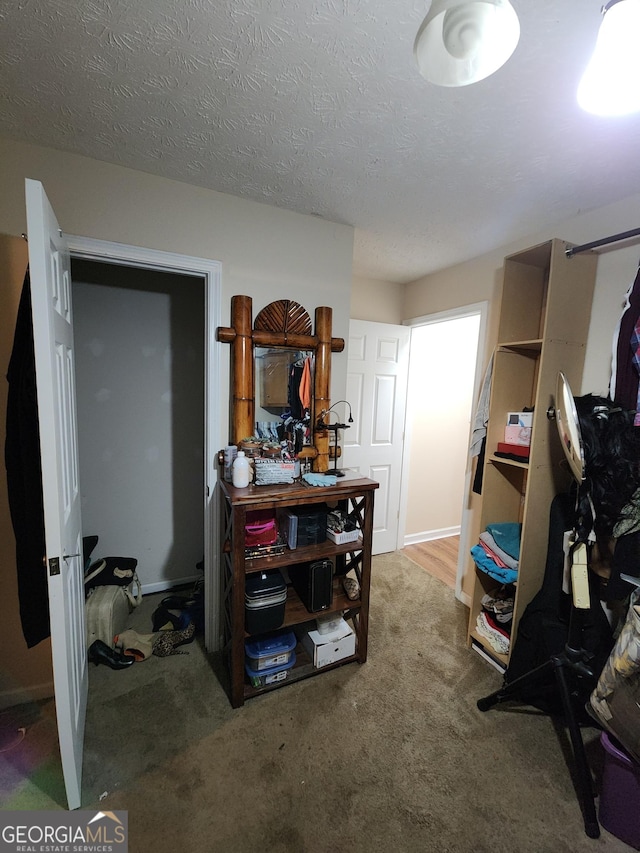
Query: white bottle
(240, 472)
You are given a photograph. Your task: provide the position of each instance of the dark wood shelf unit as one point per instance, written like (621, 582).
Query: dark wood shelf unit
(353, 494)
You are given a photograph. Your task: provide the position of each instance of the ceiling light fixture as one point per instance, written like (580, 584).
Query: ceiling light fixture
(610, 85)
(461, 42)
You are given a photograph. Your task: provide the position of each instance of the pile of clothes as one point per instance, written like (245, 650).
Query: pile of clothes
(497, 554)
(498, 551)
(495, 619)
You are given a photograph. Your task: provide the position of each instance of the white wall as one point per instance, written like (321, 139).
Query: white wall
(266, 253)
(139, 342)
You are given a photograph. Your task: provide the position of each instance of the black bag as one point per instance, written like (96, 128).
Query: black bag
(111, 571)
(543, 629)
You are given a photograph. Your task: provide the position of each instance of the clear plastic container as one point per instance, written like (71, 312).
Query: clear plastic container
(274, 675)
(269, 651)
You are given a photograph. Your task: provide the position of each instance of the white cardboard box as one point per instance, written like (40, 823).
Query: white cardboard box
(522, 419)
(324, 649)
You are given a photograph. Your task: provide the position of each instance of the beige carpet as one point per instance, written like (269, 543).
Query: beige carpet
(392, 755)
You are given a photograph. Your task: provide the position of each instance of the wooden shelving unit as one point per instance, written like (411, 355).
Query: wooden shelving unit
(544, 321)
(352, 494)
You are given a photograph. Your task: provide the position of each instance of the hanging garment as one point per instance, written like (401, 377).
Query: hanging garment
(481, 416)
(24, 477)
(479, 433)
(295, 406)
(304, 391)
(623, 388)
(614, 701)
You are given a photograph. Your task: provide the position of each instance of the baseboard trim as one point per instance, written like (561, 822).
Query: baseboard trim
(161, 586)
(430, 535)
(20, 695)
(465, 598)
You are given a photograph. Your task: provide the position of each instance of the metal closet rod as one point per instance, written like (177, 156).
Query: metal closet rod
(615, 238)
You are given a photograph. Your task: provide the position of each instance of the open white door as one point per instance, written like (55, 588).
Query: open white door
(55, 377)
(377, 375)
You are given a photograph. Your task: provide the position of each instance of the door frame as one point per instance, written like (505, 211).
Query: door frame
(474, 308)
(90, 249)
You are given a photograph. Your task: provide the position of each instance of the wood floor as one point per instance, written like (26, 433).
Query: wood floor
(439, 557)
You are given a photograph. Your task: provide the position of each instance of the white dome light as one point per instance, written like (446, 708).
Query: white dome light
(461, 42)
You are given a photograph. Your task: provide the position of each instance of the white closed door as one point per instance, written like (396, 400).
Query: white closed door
(55, 377)
(377, 375)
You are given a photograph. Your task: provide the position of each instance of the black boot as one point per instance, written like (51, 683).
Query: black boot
(100, 652)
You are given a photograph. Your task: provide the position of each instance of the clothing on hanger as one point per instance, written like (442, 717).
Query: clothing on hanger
(24, 477)
(625, 379)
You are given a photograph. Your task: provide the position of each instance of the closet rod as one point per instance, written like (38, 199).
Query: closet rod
(635, 232)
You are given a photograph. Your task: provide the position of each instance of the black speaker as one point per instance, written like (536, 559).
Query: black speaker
(314, 584)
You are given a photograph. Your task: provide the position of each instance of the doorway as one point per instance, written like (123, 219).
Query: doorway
(209, 273)
(139, 344)
(443, 381)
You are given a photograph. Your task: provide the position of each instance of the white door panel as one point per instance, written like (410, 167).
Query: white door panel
(377, 373)
(55, 377)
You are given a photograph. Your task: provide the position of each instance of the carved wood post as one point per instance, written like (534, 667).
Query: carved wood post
(322, 385)
(243, 414)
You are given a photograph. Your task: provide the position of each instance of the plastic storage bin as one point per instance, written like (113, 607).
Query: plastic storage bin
(312, 524)
(269, 651)
(619, 810)
(264, 601)
(273, 675)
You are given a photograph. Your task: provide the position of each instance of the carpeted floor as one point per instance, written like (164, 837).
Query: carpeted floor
(390, 755)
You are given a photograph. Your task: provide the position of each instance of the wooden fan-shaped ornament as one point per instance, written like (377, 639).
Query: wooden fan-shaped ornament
(284, 315)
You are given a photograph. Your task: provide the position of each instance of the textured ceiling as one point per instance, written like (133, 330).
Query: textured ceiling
(317, 106)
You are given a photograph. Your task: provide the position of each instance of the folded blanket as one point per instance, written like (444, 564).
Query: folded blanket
(507, 536)
(495, 557)
(507, 559)
(486, 564)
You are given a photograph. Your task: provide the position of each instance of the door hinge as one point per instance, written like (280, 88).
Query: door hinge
(54, 566)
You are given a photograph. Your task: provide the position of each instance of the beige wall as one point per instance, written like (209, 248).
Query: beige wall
(480, 279)
(376, 301)
(20, 667)
(266, 253)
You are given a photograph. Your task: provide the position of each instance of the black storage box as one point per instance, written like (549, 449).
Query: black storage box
(265, 598)
(312, 524)
(314, 584)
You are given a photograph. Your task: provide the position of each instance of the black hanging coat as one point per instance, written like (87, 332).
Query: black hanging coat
(24, 477)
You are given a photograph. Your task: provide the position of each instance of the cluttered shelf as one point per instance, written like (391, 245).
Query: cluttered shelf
(296, 612)
(302, 668)
(301, 555)
(545, 313)
(291, 579)
(289, 494)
